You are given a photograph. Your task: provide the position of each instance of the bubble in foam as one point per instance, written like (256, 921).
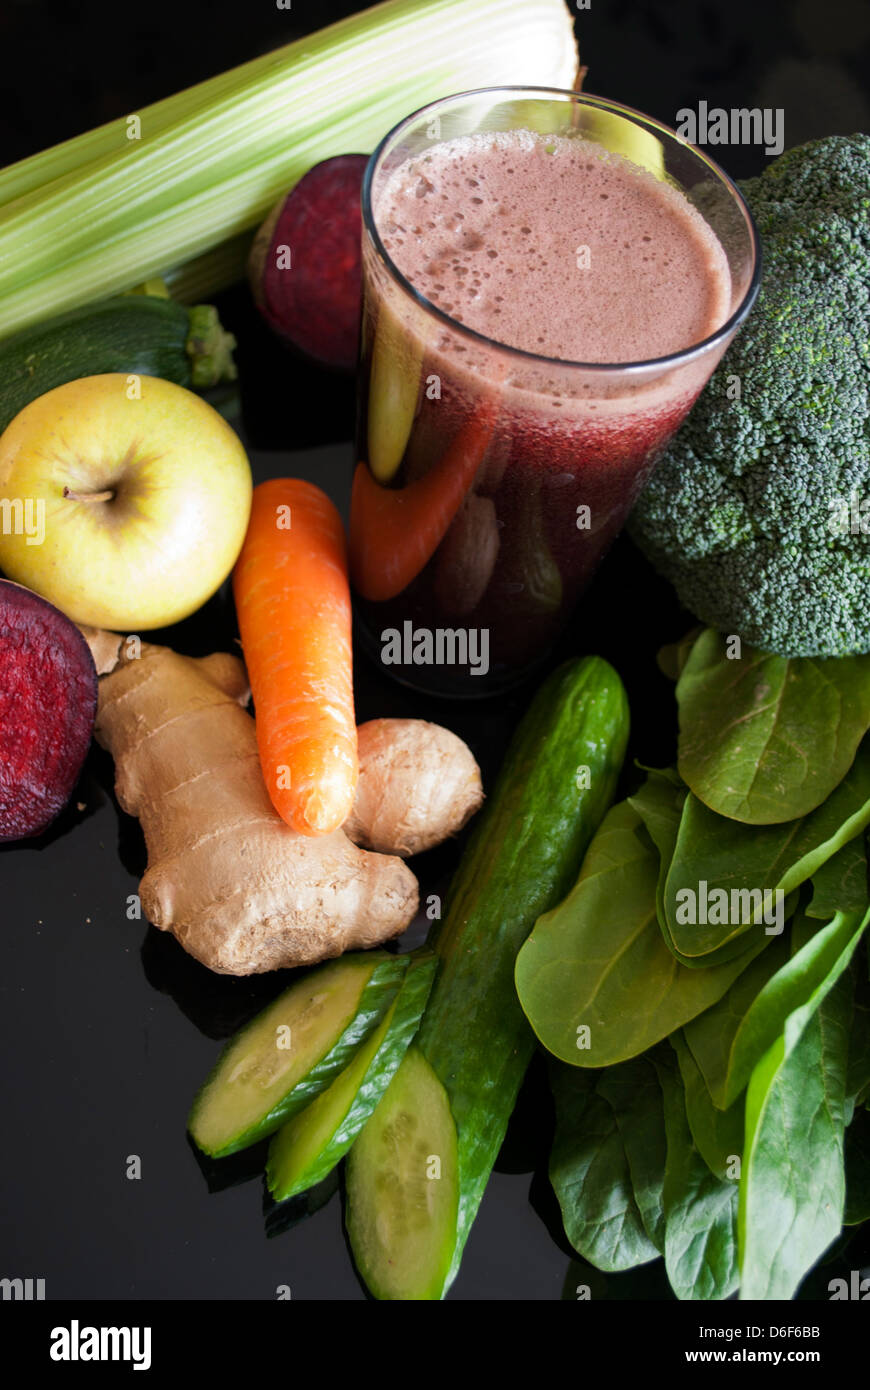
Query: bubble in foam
(641, 298)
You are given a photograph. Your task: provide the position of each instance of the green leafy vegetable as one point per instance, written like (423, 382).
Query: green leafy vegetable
(792, 1188)
(739, 1150)
(743, 868)
(763, 739)
(659, 803)
(700, 1209)
(595, 979)
(840, 885)
(671, 659)
(632, 1090)
(591, 1175)
(718, 1134)
(728, 1042)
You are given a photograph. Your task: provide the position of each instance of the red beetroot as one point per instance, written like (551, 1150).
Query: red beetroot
(48, 701)
(314, 301)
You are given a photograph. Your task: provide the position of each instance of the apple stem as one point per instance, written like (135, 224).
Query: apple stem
(89, 496)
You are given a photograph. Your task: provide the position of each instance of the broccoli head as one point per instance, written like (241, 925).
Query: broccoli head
(759, 511)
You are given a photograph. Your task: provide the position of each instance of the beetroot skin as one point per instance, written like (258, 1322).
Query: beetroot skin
(314, 303)
(48, 702)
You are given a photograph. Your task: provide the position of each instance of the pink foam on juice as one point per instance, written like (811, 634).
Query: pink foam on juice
(556, 247)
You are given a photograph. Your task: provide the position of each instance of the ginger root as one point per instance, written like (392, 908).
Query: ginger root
(241, 891)
(418, 784)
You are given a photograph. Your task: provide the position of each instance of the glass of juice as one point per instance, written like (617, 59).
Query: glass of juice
(549, 280)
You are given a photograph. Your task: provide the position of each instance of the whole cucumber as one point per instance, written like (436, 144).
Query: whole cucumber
(136, 333)
(557, 782)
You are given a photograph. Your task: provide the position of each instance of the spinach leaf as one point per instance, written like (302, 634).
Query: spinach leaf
(792, 1188)
(659, 803)
(710, 1036)
(754, 863)
(857, 1158)
(729, 1041)
(632, 1090)
(700, 1209)
(671, 658)
(591, 1175)
(718, 1134)
(764, 739)
(595, 979)
(840, 885)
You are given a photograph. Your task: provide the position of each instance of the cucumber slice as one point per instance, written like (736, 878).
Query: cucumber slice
(403, 1188)
(314, 1141)
(293, 1050)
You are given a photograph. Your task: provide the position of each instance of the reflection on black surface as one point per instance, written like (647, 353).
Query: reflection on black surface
(88, 795)
(850, 1251)
(218, 1005)
(530, 1131)
(646, 1283)
(544, 1203)
(131, 841)
(221, 1173)
(283, 1216)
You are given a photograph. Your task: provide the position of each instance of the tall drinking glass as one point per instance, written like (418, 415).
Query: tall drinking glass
(491, 478)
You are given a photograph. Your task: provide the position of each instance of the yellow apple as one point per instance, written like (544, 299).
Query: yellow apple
(124, 500)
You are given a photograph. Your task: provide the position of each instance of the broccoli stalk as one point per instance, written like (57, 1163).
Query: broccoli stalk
(759, 512)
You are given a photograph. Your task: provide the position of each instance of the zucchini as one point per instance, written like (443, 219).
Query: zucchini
(310, 1145)
(521, 860)
(293, 1050)
(136, 333)
(403, 1187)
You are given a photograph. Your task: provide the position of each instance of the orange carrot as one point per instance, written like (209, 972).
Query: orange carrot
(293, 603)
(394, 532)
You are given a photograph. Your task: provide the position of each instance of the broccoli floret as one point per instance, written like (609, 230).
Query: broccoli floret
(754, 513)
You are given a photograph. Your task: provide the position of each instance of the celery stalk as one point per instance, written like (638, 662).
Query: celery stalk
(102, 212)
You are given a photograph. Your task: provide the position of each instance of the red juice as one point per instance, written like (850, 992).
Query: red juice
(498, 460)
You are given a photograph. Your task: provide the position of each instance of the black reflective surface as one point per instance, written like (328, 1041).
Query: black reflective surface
(108, 1028)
